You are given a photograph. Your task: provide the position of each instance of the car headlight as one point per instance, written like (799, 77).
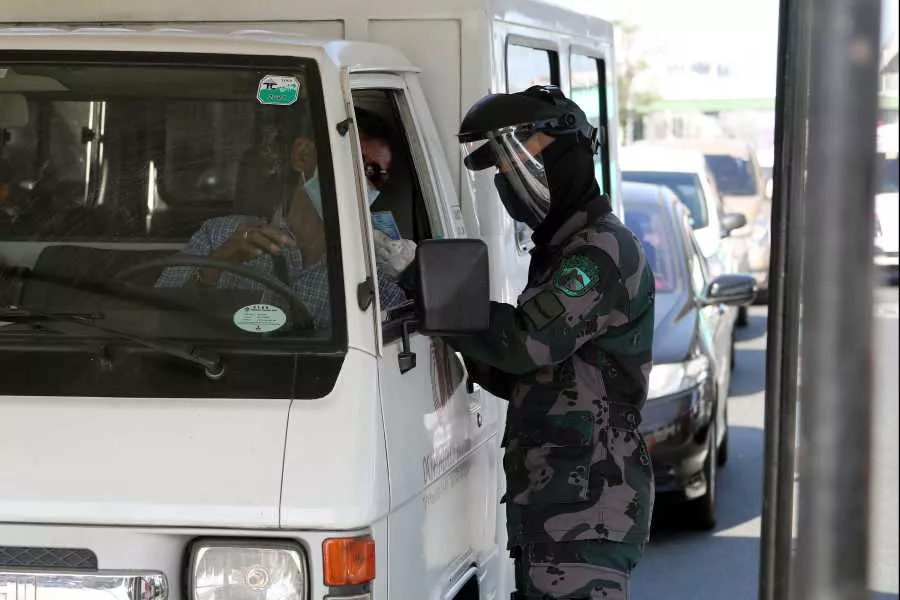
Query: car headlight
(667, 379)
(231, 570)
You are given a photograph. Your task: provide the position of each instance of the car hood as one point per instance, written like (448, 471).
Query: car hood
(675, 321)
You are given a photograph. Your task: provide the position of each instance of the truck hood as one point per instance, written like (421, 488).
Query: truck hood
(133, 461)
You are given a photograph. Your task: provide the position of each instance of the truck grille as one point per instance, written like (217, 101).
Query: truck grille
(47, 558)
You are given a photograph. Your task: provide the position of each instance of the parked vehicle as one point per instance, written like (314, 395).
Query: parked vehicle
(685, 172)
(200, 442)
(741, 183)
(887, 202)
(685, 419)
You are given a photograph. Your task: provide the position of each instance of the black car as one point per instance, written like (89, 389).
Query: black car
(685, 420)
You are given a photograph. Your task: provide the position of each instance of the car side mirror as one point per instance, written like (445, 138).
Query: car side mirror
(731, 222)
(453, 287)
(770, 186)
(731, 290)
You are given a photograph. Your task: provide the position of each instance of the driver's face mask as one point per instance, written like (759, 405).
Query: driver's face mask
(313, 189)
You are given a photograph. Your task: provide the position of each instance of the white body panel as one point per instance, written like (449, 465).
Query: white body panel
(413, 458)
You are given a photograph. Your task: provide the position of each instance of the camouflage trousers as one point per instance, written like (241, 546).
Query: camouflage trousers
(581, 570)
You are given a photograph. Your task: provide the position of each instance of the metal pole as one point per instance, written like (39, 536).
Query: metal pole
(836, 392)
(785, 273)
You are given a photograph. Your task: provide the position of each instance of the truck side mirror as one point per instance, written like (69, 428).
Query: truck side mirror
(453, 286)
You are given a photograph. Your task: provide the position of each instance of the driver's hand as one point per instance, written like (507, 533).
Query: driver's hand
(252, 240)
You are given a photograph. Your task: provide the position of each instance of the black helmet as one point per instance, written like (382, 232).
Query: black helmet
(510, 131)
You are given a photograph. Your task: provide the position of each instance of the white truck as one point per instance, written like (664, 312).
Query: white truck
(205, 443)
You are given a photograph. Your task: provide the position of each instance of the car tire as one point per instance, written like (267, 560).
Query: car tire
(703, 510)
(743, 318)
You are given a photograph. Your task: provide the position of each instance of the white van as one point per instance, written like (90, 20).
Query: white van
(347, 458)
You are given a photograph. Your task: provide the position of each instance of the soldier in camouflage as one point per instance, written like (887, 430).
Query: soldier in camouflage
(573, 357)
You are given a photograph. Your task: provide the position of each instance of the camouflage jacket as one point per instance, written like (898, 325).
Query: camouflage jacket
(573, 359)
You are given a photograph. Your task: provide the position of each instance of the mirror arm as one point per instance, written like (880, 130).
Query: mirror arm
(406, 359)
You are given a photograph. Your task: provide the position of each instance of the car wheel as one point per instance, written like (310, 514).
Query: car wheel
(722, 452)
(743, 318)
(703, 509)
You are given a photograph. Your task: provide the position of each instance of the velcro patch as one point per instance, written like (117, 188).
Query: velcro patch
(543, 309)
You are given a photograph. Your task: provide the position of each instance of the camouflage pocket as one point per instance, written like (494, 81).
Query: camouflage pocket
(550, 460)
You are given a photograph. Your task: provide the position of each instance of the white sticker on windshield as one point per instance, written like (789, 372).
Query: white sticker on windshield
(260, 318)
(279, 90)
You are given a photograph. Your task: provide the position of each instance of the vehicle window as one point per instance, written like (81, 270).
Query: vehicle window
(888, 181)
(400, 203)
(527, 66)
(107, 169)
(587, 78)
(651, 226)
(686, 187)
(734, 176)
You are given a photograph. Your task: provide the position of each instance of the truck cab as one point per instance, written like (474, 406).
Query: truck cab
(286, 428)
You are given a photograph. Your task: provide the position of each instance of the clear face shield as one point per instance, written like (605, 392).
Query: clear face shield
(521, 179)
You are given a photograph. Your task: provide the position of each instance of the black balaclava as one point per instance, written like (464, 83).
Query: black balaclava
(570, 174)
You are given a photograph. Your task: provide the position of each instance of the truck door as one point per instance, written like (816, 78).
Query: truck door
(440, 433)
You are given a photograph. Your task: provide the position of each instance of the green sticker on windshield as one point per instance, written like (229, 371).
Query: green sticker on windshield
(576, 276)
(278, 90)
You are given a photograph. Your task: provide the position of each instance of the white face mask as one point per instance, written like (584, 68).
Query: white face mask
(314, 191)
(371, 192)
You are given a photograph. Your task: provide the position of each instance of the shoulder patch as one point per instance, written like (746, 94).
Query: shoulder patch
(576, 276)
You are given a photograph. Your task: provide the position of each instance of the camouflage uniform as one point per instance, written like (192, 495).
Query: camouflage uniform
(573, 359)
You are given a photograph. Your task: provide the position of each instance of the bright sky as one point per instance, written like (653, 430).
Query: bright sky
(741, 32)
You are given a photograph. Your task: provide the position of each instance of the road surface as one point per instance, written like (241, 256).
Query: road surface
(724, 564)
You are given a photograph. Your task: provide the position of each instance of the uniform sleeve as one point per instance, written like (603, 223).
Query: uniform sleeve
(490, 378)
(554, 319)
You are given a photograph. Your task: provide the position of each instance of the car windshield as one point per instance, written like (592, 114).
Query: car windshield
(167, 201)
(888, 174)
(686, 187)
(734, 175)
(649, 223)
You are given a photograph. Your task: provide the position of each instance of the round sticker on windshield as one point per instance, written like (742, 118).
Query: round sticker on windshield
(279, 90)
(260, 318)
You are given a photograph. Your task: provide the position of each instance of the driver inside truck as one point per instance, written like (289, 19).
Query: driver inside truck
(290, 244)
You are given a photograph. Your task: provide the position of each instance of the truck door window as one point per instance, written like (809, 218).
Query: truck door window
(588, 83)
(527, 66)
(404, 209)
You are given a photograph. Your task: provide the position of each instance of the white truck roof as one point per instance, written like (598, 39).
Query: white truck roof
(662, 159)
(358, 56)
(116, 11)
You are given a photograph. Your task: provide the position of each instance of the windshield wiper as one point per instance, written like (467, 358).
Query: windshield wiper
(211, 363)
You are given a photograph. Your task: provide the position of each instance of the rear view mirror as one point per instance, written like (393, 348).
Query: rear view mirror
(732, 290)
(454, 287)
(732, 221)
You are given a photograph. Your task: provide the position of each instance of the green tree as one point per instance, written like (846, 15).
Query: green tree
(632, 103)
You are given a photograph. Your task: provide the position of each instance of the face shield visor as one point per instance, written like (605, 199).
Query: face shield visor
(521, 178)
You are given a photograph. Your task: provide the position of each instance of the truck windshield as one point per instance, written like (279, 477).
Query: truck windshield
(733, 175)
(168, 201)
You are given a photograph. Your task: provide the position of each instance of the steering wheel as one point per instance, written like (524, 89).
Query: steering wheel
(300, 313)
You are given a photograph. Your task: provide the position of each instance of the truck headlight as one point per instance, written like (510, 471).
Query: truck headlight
(667, 379)
(233, 570)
